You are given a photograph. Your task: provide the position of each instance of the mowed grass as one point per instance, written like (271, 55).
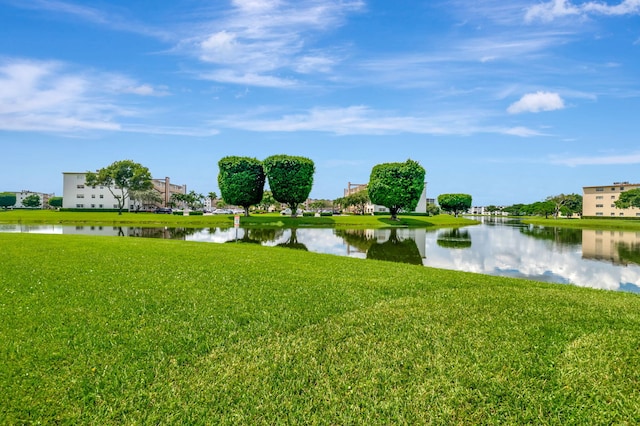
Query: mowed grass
(106, 330)
(607, 224)
(255, 220)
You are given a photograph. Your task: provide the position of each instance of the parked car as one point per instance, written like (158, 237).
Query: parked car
(165, 210)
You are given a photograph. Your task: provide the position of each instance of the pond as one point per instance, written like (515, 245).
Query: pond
(598, 259)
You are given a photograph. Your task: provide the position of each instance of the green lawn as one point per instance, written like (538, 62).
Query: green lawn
(106, 330)
(617, 224)
(259, 220)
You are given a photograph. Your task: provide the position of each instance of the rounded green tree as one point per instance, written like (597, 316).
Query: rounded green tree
(454, 203)
(120, 178)
(241, 181)
(290, 179)
(397, 186)
(55, 202)
(7, 199)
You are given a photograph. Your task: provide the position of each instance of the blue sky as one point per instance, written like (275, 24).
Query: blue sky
(509, 101)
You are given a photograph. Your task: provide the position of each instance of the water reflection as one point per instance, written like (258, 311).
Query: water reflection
(454, 238)
(599, 259)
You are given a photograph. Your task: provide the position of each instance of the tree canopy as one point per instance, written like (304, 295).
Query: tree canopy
(55, 201)
(241, 181)
(32, 200)
(7, 199)
(454, 203)
(120, 178)
(630, 198)
(397, 186)
(290, 179)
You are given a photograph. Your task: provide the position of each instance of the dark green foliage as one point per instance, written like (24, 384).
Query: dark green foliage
(290, 179)
(396, 249)
(241, 181)
(7, 199)
(454, 203)
(55, 202)
(32, 201)
(120, 178)
(455, 238)
(397, 186)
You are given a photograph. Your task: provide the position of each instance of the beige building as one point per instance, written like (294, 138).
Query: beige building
(599, 201)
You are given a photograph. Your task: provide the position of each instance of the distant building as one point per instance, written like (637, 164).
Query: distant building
(20, 197)
(599, 201)
(370, 208)
(76, 194)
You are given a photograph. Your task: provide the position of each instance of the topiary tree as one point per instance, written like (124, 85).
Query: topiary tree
(290, 179)
(397, 186)
(55, 202)
(120, 178)
(454, 203)
(7, 199)
(241, 181)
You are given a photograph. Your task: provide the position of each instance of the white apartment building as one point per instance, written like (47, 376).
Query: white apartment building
(76, 194)
(20, 197)
(599, 201)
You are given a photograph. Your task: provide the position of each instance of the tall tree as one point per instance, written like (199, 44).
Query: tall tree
(454, 203)
(397, 186)
(630, 198)
(290, 179)
(7, 199)
(32, 201)
(120, 178)
(241, 181)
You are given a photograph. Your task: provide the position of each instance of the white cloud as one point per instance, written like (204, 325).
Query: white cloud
(602, 160)
(44, 96)
(362, 120)
(536, 102)
(260, 39)
(561, 8)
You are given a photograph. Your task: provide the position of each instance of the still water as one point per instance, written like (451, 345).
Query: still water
(598, 259)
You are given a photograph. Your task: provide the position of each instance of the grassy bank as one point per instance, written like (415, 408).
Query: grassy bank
(136, 331)
(261, 220)
(621, 224)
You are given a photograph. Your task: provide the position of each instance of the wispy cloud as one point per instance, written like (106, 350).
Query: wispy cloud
(598, 160)
(554, 9)
(362, 120)
(258, 41)
(537, 102)
(91, 15)
(44, 96)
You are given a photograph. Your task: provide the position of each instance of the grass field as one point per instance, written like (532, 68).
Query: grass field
(259, 220)
(610, 224)
(105, 330)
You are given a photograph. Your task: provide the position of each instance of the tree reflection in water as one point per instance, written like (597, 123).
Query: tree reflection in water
(292, 242)
(562, 236)
(396, 249)
(454, 238)
(629, 253)
(361, 239)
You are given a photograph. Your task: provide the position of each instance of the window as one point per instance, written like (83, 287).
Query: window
(93, 195)
(599, 205)
(599, 197)
(622, 188)
(621, 214)
(80, 186)
(93, 206)
(101, 196)
(79, 195)
(599, 189)
(100, 205)
(79, 206)
(613, 189)
(599, 214)
(613, 214)
(613, 205)
(115, 206)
